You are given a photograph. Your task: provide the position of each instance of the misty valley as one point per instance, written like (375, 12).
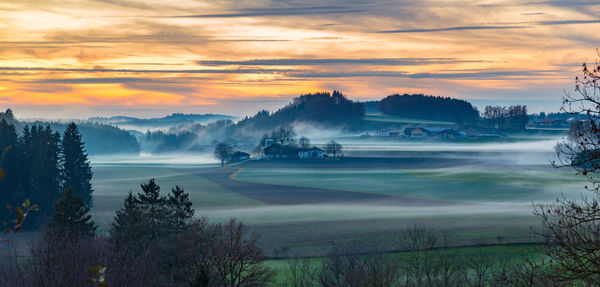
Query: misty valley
(323, 190)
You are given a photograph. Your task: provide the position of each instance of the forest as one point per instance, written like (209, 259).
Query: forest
(38, 164)
(420, 106)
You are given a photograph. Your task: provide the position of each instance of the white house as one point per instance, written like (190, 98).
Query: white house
(314, 152)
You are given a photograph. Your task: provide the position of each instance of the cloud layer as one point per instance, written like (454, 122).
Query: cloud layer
(238, 56)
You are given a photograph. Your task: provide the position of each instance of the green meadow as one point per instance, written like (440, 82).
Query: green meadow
(497, 254)
(464, 184)
(479, 202)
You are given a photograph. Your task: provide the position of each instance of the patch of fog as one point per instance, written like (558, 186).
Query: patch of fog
(196, 159)
(334, 212)
(536, 152)
(530, 146)
(317, 134)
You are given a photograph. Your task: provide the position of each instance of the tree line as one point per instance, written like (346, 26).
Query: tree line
(153, 240)
(419, 106)
(325, 109)
(40, 163)
(511, 117)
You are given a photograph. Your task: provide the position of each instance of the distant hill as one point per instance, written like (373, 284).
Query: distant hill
(372, 107)
(425, 107)
(323, 109)
(99, 139)
(168, 121)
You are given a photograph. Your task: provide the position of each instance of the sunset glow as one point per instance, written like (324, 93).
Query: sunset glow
(236, 57)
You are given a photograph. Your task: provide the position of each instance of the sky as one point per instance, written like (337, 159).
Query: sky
(75, 59)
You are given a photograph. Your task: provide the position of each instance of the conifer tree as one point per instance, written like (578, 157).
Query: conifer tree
(71, 219)
(129, 224)
(8, 166)
(39, 168)
(76, 168)
(155, 207)
(181, 208)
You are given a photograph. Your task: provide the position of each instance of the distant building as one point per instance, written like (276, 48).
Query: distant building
(268, 142)
(421, 132)
(388, 133)
(417, 133)
(280, 151)
(238, 156)
(277, 150)
(551, 123)
(314, 152)
(490, 136)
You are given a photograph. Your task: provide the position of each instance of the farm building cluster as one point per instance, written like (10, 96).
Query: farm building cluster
(424, 132)
(435, 132)
(277, 150)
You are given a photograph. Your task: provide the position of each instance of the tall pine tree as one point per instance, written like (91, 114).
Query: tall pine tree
(71, 219)
(8, 166)
(39, 169)
(76, 168)
(130, 226)
(181, 208)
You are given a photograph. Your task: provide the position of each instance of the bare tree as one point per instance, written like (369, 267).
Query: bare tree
(222, 152)
(347, 267)
(302, 273)
(419, 242)
(447, 266)
(572, 227)
(304, 142)
(284, 135)
(479, 269)
(334, 148)
(232, 258)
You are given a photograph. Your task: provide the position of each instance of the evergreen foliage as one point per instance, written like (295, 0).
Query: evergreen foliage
(37, 166)
(71, 218)
(76, 168)
(326, 109)
(181, 207)
(129, 224)
(150, 216)
(420, 106)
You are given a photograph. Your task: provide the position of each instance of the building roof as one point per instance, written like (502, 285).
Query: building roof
(550, 120)
(314, 148)
(436, 129)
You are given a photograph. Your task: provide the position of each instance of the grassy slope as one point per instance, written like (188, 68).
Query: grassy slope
(113, 182)
(308, 229)
(459, 184)
(496, 253)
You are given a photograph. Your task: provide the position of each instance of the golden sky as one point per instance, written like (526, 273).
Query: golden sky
(63, 58)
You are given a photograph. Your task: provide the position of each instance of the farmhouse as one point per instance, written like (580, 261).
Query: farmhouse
(269, 142)
(421, 132)
(551, 123)
(314, 152)
(238, 156)
(490, 136)
(388, 133)
(277, 150)
(417, 133)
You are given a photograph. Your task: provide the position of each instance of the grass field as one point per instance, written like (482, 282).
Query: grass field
(465, 184)
(482, 194)
(496, 253)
